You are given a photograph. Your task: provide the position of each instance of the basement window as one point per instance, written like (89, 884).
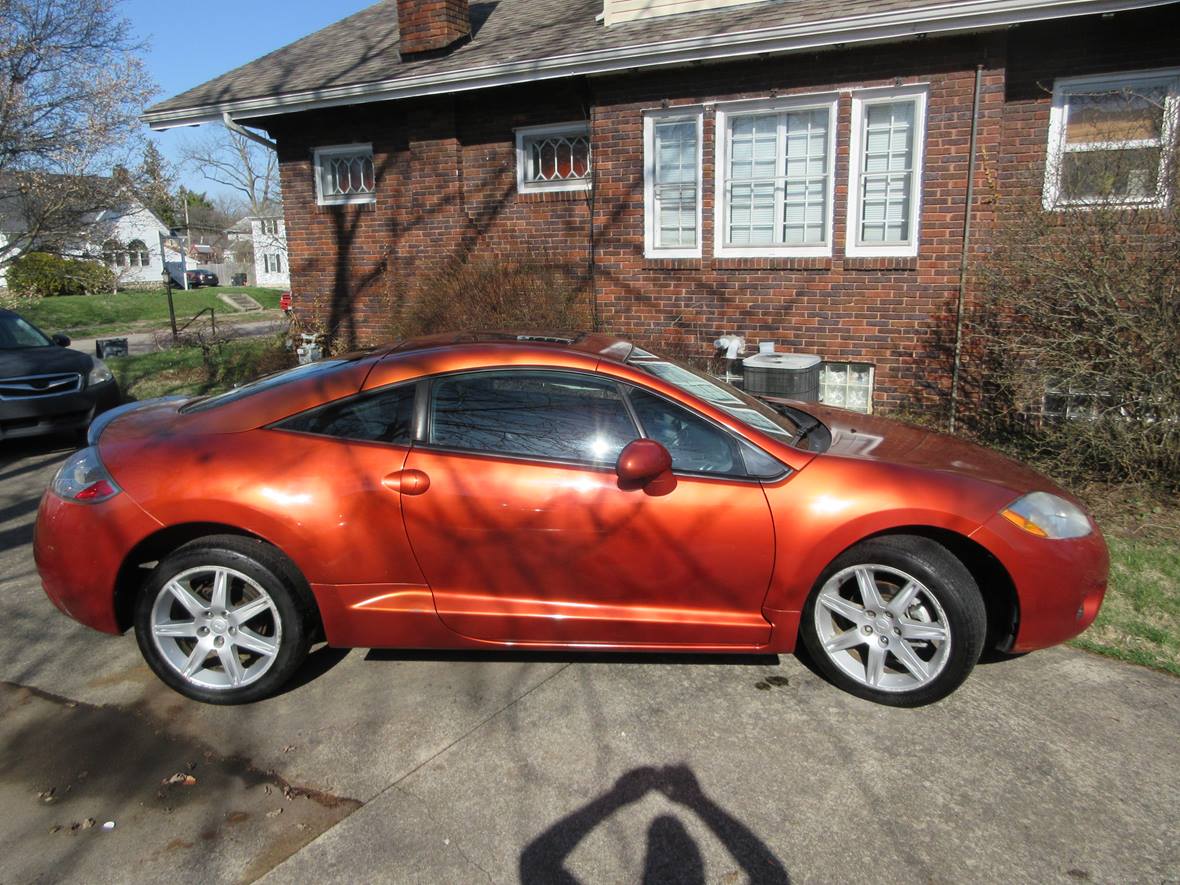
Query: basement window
(847, 386)
(553, 158)
(344, 174)
(1110, 138)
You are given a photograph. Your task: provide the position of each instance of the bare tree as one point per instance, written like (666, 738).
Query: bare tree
(232, 160)
(71, 87)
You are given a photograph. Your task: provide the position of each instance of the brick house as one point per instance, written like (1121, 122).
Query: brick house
(791, 170)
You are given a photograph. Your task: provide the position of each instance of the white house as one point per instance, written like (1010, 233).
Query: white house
(270, 251)
(127, 239)
(125, 236)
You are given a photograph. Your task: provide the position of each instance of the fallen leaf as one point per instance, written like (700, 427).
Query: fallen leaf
(180, 778)
(274, 813)
(88, 823)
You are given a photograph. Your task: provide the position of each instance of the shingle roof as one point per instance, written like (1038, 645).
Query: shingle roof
(358, 56)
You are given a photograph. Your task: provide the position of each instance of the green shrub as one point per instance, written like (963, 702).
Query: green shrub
(42, 275)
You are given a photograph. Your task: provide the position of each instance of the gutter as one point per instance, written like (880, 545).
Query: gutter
(902, 24)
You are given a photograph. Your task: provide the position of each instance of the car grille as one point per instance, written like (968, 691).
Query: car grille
(32, 386)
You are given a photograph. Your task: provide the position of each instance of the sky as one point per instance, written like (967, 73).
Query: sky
(191, 43)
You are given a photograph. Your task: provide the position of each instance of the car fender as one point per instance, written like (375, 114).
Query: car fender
(837, 502)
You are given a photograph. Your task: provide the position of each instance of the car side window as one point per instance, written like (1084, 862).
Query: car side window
(551, 415)
(696, 446)
(385, 416)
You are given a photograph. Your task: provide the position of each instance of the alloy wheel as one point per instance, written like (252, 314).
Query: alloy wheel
(883, 628)
(216, 627)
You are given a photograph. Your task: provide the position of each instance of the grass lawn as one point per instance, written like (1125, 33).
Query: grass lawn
(84, 316)
(1140, 618)
(184, 370)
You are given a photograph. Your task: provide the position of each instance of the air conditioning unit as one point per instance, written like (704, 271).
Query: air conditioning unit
(788, 375)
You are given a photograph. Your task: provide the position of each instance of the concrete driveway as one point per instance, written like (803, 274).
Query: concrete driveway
(405, 767)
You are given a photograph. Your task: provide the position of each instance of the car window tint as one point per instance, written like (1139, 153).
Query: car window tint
(562, 416)
(386, 416)
(694, 444)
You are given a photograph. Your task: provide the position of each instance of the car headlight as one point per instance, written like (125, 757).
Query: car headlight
(99, 373)
(1048, 516)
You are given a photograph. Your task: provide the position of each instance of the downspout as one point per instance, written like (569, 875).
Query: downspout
(964, 255)
(592, 243)
(234, 126)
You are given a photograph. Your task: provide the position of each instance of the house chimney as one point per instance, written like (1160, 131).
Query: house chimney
(430, 25)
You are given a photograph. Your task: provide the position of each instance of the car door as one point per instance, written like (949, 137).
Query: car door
(524, 534)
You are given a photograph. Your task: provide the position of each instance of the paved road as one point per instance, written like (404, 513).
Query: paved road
(149, 342)
(423, 767)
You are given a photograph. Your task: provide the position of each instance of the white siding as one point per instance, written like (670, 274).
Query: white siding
(270, 244)
(615, 11)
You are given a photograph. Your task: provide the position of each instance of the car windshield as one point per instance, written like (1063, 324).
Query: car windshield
(270, 381)
(738, 403)
(16, 333)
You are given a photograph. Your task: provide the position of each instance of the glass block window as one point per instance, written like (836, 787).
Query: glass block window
(847, 386)
(886, 162)
(1109, 139)
(553, 157)
(776, 189)
(672, 179)
(345, 174)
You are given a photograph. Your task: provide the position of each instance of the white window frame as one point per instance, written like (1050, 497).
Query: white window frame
(861, 99)
(1059, 126)
(728, 110)
(524, 133)
(342, 150)
(650, 215)
(272, 262)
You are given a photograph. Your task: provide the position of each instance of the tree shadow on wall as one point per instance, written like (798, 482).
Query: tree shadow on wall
(671, 854)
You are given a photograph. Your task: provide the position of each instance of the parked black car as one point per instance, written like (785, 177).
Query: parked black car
(201, 277)
(44, 386)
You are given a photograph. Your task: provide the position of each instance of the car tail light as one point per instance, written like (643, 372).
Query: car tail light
(84, 479)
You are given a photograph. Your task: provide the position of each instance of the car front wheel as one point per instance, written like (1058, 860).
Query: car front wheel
(223, 620)
(897, 620)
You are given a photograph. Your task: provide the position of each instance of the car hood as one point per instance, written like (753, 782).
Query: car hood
(871, 438)
(22, 361)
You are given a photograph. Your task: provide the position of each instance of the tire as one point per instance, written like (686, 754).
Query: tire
(265, 626)
(902, 650)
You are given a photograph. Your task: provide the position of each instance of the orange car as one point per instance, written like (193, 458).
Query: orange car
(538, 492)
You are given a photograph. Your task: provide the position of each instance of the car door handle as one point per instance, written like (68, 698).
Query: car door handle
(407, 482)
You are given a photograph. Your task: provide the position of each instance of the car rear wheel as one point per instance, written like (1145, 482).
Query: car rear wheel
(897, 620)
(223, 620)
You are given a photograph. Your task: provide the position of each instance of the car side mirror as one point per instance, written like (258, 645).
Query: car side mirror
(60, 340)
(642, 460)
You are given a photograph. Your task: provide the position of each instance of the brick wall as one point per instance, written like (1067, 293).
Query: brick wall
(446, 187)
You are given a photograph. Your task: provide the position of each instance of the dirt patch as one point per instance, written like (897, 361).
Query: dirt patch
(92, 789)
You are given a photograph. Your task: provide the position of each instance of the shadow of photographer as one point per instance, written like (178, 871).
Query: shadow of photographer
(671, 854)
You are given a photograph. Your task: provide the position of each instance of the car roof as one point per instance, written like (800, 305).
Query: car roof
(594, 344)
